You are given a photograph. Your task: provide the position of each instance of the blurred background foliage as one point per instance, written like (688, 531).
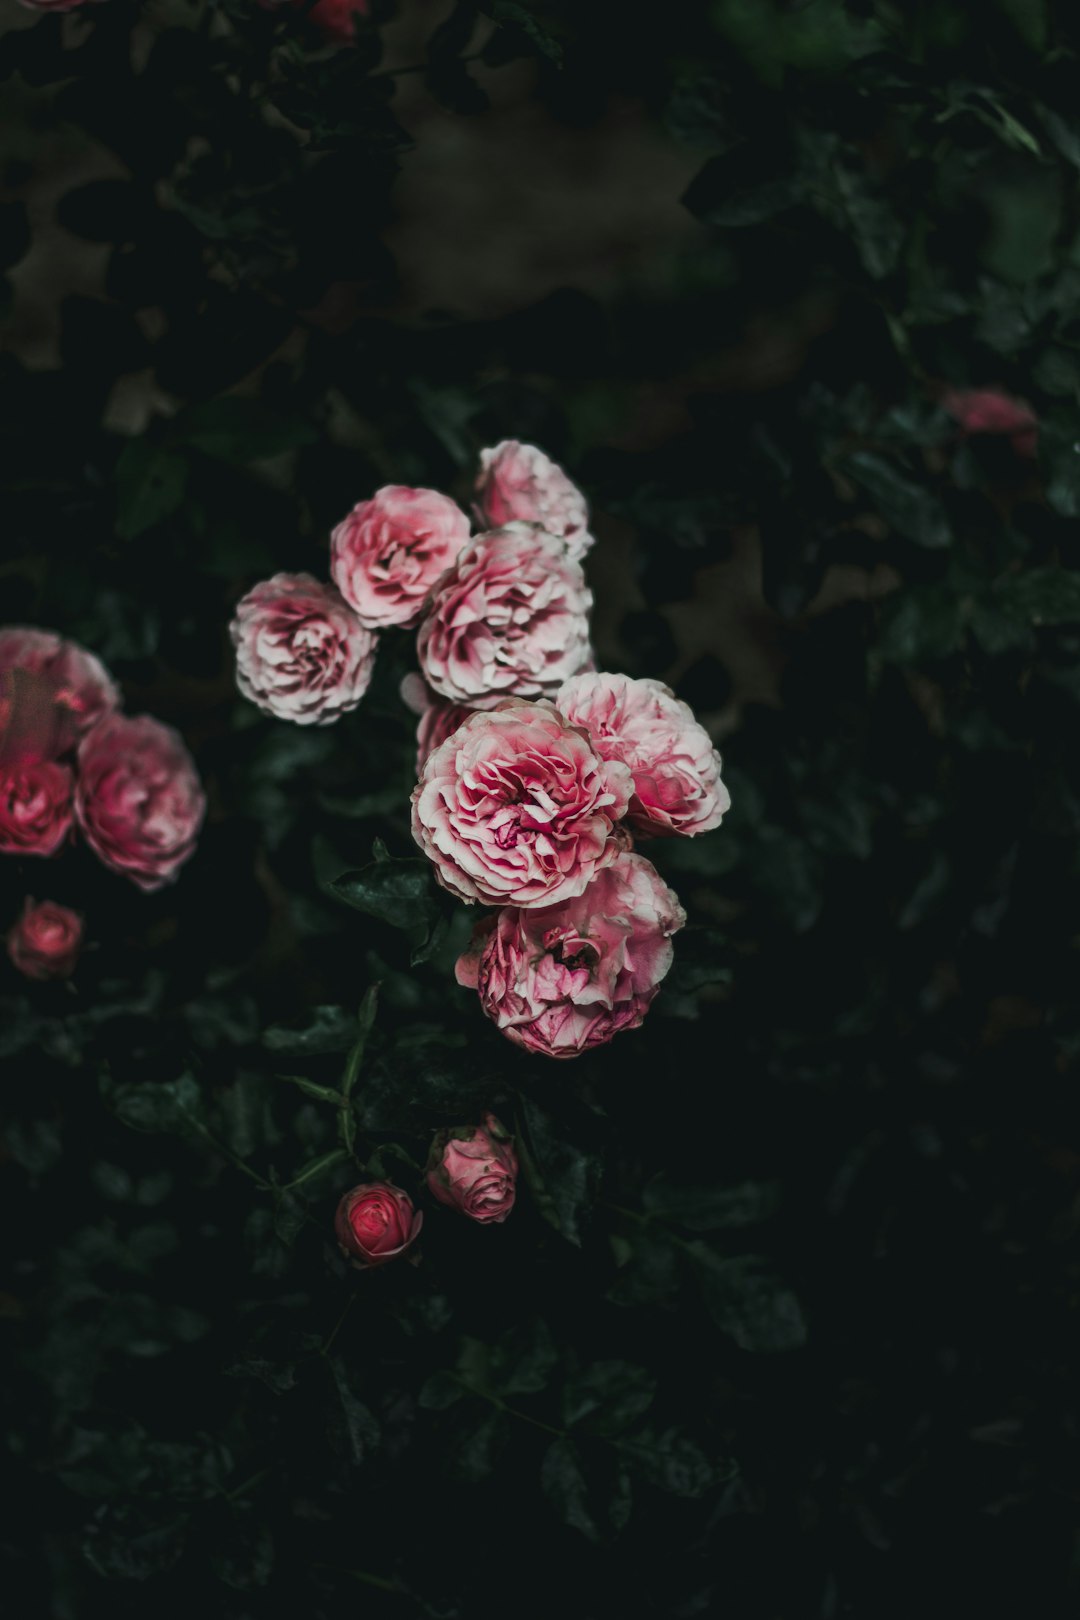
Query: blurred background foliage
(786, 1322)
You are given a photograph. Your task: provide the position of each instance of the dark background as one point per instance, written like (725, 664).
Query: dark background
(785, 1321)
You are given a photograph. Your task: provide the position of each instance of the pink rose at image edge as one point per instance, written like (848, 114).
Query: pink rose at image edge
(991, 410)
(36, 808)
(45, 941)
(51, 692)
(509, 619)
(301, 653)
(519, 482)
(375, 1222)
(516, 807)
(138, 798)
(563, 979)
(670, 755)
(474, 1170)
(388, 553)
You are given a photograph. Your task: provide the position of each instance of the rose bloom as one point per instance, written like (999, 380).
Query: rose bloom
(437, 720)
(51, 692)
(35, 807)
(563, 979)
(676, 769)
(45, 941)
(990, 410)
(301, 653)
(511, 618)
(387, 554)
(376, 1222)
(517, 807)
(138, 799)
(474, 1169)
(518, 483)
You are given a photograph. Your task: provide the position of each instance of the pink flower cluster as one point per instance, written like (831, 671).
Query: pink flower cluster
(69, 759)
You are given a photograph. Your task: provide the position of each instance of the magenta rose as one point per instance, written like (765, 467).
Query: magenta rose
(35, 807)
(45, 941)
(676, 769)
(139, 800)
(51, 692)
(376, 1222)
(991, 410)
(510, 619)
(517, 807)
(518, 483)
(474, 1169)
(301, 653)
(387, 554)
(563, 979)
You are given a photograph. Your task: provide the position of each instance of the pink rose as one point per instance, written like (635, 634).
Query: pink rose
(511, 618)
(301, 654)
(518, 483)
(516, 806)
(139, 800)
(474, 1169)
(45, 941)
(35, 807)
(387, 554)
(676, 769)
(438, 720)
(566, 978)
(376, 1222)
(335, 18)
(990, 410)
(51, 692)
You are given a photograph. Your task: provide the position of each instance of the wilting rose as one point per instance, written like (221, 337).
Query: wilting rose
(474, 1169)
(676, 769)
(566, 978)
(376, 1222)
(139, 800)
(51, 692)
(518, 483)
(35, 807)
(387, 554)
(511, 618)
(45, 941)
(517, 807)
(301, 653)
(990, 410)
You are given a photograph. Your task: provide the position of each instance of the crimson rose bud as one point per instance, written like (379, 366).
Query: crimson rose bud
(474, 1169)
(376, 1222)
(45, 941)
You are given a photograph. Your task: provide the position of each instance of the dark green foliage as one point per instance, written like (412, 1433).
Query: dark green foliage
(784, 1322)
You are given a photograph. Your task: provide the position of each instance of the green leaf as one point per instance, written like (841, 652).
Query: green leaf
(712, 1207)
(354, 1426)
(332, 1030)
(165, 1105)
(400, 892)
(748, 1302)
(908, 507)
(563, 1483)
(150, 483)
(563, 1177)
(318, 1167)
(608, 1396)
(441, 1390)
(365, 1018)
(310, 1088)
(1041, 595)
(237, 429)
(668, 1460)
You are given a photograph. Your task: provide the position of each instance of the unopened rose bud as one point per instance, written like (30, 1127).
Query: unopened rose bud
(376, 1222)
(45, 941)
(474, 1169)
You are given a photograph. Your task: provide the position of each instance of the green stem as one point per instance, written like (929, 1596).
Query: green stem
(248, 1485)
(334, 1330)
(511, 1411)
(227, 1153)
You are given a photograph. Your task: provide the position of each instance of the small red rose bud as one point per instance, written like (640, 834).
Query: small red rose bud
(45, 941)
(474, 1169)
(376, 1222)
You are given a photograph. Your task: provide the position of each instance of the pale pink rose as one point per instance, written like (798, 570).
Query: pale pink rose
(387, 554)
(474, 1169)
(991, 410)
(437, 719)
(45, 941)
(676, 769)
(566, 978)
(139, 800)
(51, 692)
(301, 653)
(376, 1222)
(510, 619)
(518, 483)
(35, 807)
(517, 807)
